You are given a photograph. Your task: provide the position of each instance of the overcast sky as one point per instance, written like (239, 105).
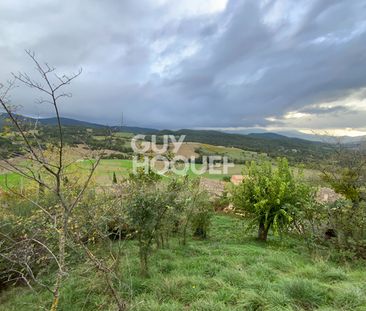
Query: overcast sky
(281, 66)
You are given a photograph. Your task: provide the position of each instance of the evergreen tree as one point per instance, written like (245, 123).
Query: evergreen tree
(114, 178)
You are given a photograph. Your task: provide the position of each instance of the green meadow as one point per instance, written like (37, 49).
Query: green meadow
(229, 271)
(106, 168)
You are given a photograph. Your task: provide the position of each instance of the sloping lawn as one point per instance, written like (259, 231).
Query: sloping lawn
(227, 272)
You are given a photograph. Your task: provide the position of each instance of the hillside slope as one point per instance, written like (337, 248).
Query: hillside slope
(226, 272)
(78, 123)
(296, 149)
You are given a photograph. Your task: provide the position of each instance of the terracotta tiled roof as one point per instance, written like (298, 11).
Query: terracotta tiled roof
(237, 179)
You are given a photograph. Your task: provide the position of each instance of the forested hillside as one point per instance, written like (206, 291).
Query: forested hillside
(80, 132)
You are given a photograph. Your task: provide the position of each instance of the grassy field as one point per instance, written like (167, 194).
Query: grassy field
(11, 180)
(124, 135)
(106, 168)
(231, 153)
(229, 271)
(121, 168)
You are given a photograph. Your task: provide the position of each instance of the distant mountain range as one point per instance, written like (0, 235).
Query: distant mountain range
(271, 143)
(268, 135)
(143, 130)
(318, 138)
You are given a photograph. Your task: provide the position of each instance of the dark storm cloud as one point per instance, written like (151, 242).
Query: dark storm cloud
(174, 64)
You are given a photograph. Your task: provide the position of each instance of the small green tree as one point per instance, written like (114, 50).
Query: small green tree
(146, 205)
(114, 180)
(269, 196)
(192, 210)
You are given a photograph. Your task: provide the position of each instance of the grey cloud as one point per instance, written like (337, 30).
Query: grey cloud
(324, 110)
(242, 71)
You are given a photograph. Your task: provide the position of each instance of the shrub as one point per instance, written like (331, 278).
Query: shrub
(340, 226)
(221, 202)
(193, 210)
(146, 206)
(159, 209)
(24, 233)
(201, 217)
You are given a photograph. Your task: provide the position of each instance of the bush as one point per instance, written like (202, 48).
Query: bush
(146, 206)
(221, 202)
(24, 233)
(159, 209)
(338, 226)
(193, 210)
(201, 218)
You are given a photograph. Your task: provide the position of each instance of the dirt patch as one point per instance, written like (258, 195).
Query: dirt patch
(327, 195)
(188, 150)
(214, 187)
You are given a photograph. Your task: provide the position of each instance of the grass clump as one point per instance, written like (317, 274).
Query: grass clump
(308, 294)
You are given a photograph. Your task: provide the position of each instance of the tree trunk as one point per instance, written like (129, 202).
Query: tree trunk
(262, 232)
(143, 262)
(184, 242)
(162, 240)
(61, 268)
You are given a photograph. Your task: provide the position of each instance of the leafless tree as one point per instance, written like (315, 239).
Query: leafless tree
(54, 179)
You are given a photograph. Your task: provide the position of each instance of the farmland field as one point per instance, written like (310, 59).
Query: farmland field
(122, 168)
